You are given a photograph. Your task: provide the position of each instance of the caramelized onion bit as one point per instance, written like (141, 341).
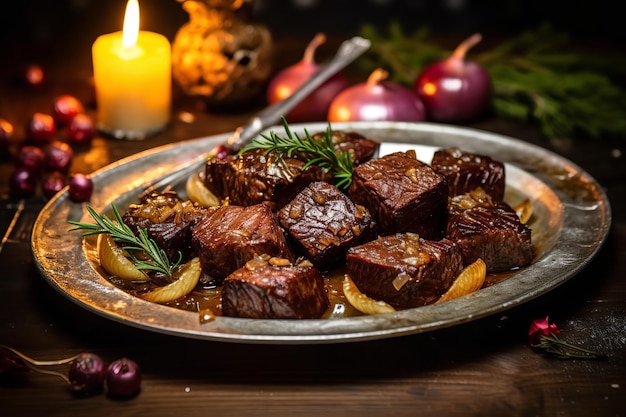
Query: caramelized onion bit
(114, 261)
(362, 302)
(524, 210)
(186, 279)
(295, 211)
(319, 198)
(199, 194)
(411, 173)
(256, 262)
(399, 281)
(469, 280)
(279, 261)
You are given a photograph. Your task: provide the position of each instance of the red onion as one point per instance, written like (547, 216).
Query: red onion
(455, 90)
(377, 99)
(315, 106)
(123, 378)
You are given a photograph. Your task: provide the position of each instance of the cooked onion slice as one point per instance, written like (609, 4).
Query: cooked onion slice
(524, 210)
(469, 280)
(362, 302)
(114, 261)
(199, 194)
(186, 279)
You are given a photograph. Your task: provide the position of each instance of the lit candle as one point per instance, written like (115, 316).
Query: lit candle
(132, 76)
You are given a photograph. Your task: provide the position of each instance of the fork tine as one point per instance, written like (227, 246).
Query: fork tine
(169, 180)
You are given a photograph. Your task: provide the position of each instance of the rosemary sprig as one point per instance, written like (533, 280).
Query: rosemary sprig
(131, 243)
(560, 349)
(321, 153)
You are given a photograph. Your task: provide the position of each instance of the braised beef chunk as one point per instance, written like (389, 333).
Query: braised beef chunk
(255, 177)
(465, 171)
(229, 236)
(403, 269)
(167, 219)
(402, 193)
(324, 222)
(485, 228)
(274, 289)
(361, 148)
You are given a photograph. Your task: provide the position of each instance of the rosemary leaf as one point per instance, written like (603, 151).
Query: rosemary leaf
(129, 242)
(321, 153)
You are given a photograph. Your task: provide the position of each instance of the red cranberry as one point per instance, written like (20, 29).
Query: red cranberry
(221, 151)
(41, 128)
(31, 157)
(80, 129)
(59, 156)
(52, 183)
(6, 137)
(65, 108)
(34, 76)
(87, 373)
(123, 378)
(22, 182)
(80, 187)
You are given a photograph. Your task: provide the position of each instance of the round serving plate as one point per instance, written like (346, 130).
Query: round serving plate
(570, 222)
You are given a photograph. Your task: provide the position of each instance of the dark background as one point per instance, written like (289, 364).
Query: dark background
(44, 20)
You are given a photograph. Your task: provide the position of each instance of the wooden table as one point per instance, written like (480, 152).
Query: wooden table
(481, 368)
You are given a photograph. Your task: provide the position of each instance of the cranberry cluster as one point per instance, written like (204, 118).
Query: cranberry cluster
(43, 159)
(88, 373)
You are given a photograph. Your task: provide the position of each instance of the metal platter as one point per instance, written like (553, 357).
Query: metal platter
(570, 223)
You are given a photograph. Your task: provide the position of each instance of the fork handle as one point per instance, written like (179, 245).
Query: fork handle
(348, 51)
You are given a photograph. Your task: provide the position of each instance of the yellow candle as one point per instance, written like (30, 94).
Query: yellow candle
(133, 82)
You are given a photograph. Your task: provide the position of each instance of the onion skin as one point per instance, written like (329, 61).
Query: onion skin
(377, 99)
(455, 90)
(315, 106)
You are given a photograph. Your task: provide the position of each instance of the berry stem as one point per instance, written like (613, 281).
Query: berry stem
(35, 364)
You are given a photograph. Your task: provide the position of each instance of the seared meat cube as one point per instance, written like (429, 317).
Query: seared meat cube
(274, 289)
(403, 269)
(255, 177)
(229, 236)
(465, 171)
(325, 223)
(360, 148)
(167, 219)
(489, 229)
(402, 193)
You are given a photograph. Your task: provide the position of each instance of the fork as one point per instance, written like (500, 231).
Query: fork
(347, 52)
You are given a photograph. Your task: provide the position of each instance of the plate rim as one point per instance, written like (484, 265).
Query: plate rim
(227, 329)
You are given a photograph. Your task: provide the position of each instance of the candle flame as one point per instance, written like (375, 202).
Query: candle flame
(130, 32)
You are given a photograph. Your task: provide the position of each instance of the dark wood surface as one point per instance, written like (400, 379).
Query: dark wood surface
(482, 368)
